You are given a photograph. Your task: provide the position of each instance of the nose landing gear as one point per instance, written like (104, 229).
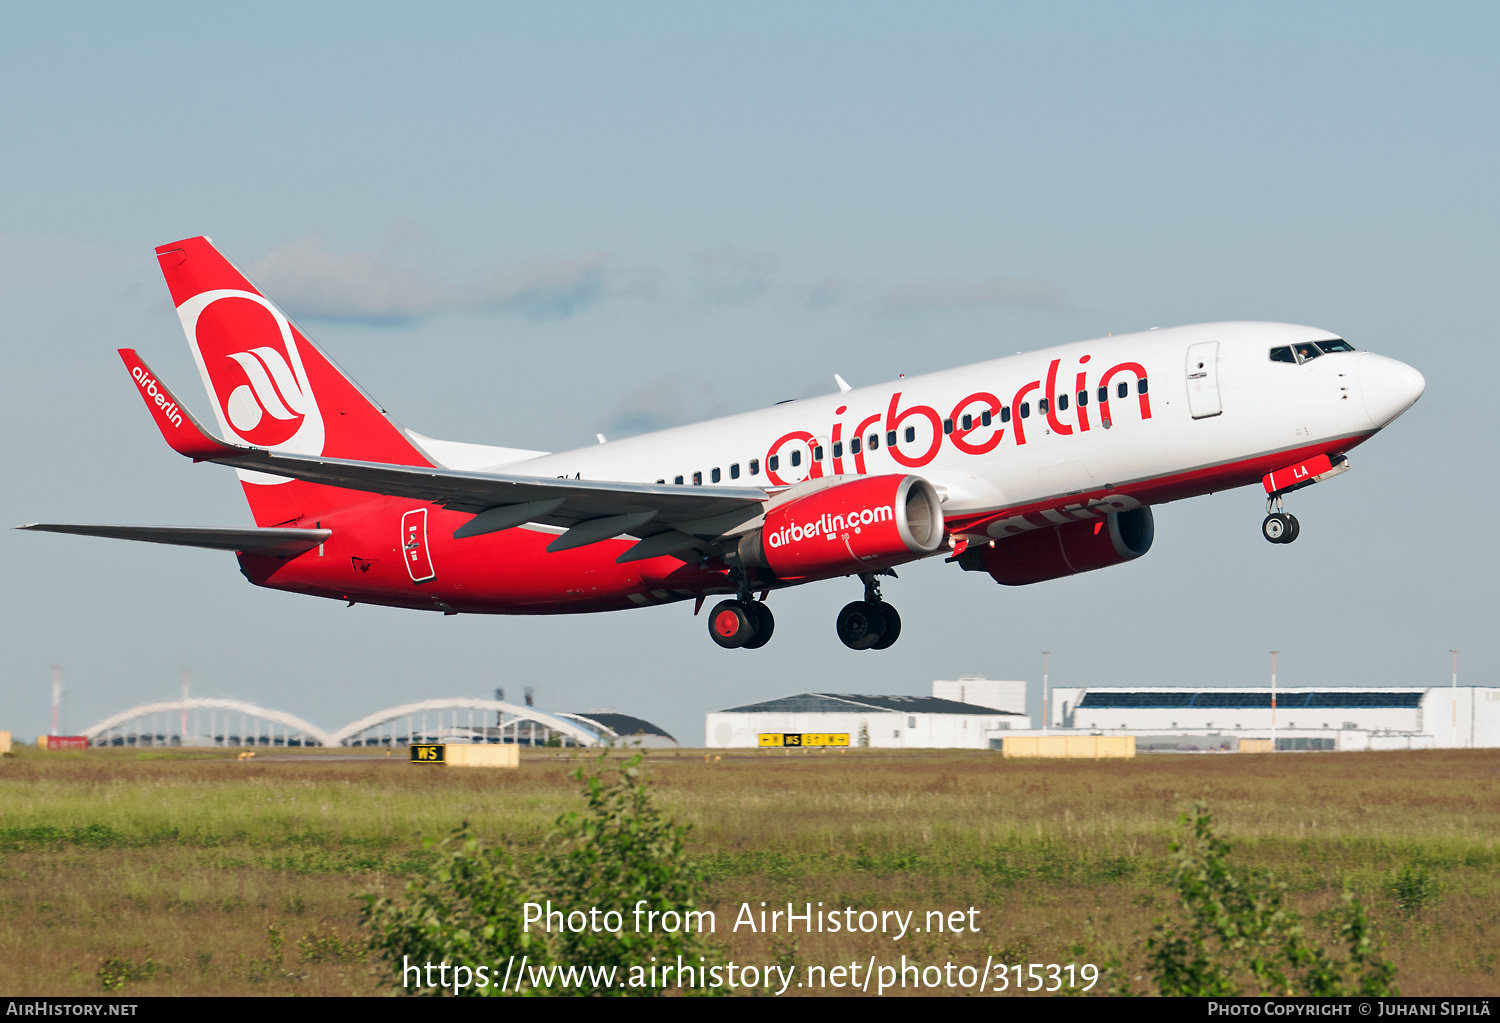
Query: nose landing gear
(869, 624)
(1279, 526)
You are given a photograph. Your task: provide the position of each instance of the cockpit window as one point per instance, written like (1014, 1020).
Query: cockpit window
(1283, 354)
(1306, 352)
(1329, 347)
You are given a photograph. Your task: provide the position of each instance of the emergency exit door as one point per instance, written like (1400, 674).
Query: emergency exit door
(414, 545)
(1203, 380)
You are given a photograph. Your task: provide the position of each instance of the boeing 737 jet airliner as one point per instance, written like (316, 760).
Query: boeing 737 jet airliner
(1030, 467)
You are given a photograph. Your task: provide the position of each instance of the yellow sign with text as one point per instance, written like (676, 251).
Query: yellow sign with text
(782, 739)
(427, 753)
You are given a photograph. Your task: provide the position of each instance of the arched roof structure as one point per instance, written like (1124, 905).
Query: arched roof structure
(205, 703)
(579, 732)
(573, 729)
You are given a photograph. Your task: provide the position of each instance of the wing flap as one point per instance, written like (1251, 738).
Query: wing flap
(278, 542)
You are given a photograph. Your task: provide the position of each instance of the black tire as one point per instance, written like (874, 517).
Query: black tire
(1293, 529)
(765, 624)
(731, 624)
(1275, 527)
(860, 625)
(892, 630)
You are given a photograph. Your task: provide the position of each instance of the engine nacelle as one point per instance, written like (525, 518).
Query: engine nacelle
(850, 527)
(1054, 552)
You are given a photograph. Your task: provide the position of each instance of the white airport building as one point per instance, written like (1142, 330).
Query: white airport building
(963, 714)
(1304, 717)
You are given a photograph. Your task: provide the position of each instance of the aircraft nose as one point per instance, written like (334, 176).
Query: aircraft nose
(1389, 387)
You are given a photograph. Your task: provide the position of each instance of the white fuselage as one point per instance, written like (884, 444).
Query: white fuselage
(1246, 406)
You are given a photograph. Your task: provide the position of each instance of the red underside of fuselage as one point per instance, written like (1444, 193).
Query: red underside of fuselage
(511, 572)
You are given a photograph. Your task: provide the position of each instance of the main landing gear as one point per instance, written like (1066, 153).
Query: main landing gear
(741, 623)
(1279, 526)
(869, 624)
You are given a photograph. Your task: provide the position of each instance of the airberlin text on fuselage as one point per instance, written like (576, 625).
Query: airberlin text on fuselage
(167, 405)
(975, 405)
(829, 526)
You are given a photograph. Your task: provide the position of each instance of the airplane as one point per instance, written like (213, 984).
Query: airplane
(1030, 467)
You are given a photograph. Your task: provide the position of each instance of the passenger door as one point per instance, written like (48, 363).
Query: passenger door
(1203, 380)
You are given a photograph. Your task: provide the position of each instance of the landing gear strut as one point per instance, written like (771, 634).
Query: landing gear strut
(1279, 526)
(869, 624)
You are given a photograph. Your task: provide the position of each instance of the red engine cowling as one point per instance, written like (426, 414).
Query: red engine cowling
(849, 527)
(1054, 552)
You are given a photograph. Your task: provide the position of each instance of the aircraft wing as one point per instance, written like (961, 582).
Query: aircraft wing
(668, 519)
(279, 542)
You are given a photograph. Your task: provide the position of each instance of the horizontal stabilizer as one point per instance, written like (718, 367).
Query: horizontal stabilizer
(280, 542)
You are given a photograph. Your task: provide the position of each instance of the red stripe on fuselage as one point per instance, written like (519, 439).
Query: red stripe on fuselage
(511, 572)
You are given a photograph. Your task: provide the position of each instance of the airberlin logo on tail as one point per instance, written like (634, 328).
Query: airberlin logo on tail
(167, 405)
(249, 357)
(272, 388)
(829, 526)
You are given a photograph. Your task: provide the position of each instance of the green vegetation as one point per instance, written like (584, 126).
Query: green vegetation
(468, 904)
(1237, 936)
(239, 877)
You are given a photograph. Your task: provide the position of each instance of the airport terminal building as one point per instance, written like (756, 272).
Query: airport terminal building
(1304, 717)
(888, 722)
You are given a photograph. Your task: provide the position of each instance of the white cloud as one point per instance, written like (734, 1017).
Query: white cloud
(726, 276)
(992, 291)
(384, 287)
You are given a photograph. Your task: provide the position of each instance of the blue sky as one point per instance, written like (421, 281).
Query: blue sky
(523, 224)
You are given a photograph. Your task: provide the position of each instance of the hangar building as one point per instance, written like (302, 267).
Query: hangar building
(1306, 717)
(890, 722)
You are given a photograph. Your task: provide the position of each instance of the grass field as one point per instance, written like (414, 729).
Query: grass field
(195, 873)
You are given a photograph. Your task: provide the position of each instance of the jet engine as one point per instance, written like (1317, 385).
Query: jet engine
(1056, 551)
(850, 527)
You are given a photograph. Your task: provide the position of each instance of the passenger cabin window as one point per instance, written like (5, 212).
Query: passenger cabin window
(838, 449)
(1140, 386)
(1062, 403)
(697, 479)
(1026, 408)
(1103, 395)
(677, 480)
(773, 463)
(734, 471)
(1123, 390)
(873, 442)
(796, 458)
(890, 438)
(947, 426)
(1339, 345)
(984, 418)
(1004, 414)
(1083, 398)
(911, 434)
(1041, 406)
(714, 475)
(755, 467)
(854, 446)
(1283, 354)
(818, 453)
(661, 481)
(967, 421)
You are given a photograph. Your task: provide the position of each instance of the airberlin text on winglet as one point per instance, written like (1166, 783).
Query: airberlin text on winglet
(163, 401)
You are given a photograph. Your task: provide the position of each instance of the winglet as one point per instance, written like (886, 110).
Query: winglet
(184, 433)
